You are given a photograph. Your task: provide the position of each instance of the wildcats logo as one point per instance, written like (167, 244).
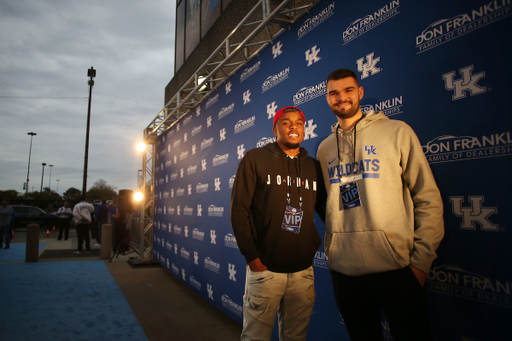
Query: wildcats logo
(362, 25)
(367, 168)
(445, 30)
(449, 148)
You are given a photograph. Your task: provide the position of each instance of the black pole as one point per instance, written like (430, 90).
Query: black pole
(29, 154)
(42, 177)
(91, 73)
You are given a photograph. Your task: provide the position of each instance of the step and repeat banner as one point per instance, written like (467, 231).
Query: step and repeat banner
(441, 66)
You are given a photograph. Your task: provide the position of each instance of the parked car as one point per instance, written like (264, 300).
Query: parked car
(26, 215)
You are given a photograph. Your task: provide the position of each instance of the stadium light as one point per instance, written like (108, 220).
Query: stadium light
(141, 146)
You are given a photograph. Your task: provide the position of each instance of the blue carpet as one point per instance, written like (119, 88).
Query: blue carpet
(16, 252)
(60, 301)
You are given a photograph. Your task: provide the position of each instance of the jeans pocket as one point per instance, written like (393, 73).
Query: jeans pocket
(308, 274)
(256, 277)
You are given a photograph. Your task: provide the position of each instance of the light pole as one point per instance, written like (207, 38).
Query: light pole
(90, 73)
(42, 177)
(58, 186)
(29, 154)
(50, 185)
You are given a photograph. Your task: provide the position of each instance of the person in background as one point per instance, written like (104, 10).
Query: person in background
(82, 213)
(5, 223)
(112, 209)
(101, 216)
(64, 216)
(120, 240)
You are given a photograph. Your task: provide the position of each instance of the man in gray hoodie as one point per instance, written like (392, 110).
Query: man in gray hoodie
(384, 217)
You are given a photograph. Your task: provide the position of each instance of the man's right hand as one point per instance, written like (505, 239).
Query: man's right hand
(257, 266)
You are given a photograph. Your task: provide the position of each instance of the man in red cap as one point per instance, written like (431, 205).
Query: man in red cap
(276, 191)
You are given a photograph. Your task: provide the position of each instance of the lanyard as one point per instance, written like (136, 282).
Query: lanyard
(340, 156)
(289, 181)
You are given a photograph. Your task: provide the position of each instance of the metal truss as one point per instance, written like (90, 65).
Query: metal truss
(260, 27)
(147, 211)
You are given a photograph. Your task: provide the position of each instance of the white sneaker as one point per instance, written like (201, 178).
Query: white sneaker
(97, 244)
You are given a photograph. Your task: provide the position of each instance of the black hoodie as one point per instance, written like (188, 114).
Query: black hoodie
(258, 203)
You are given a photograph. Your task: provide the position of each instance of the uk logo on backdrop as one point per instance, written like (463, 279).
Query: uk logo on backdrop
(232, 272)
(247, 97)
(309, 130)
(466, 83)
(369, 67)
(475, 215)
(240, 150)
(209, 289)
(276, 49)
(271, 110)
(228, 87)
(312, 55)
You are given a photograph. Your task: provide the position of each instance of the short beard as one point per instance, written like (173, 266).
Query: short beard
(346, 114)
(292, 145)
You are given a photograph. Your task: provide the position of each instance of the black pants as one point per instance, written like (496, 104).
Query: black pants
(361, 298)
(63, 224)
(82, 232)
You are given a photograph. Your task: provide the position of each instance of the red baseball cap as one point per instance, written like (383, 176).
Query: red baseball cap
(285, 110)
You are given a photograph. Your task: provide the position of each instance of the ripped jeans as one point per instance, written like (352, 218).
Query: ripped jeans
(292, 295)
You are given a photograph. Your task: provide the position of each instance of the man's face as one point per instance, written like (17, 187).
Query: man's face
(4, 202)
(289, 130)
(343, 96)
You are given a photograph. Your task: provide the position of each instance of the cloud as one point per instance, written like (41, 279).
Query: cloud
(46, 49)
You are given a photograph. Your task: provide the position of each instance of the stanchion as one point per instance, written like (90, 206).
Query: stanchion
(32, 246)
(106, 241)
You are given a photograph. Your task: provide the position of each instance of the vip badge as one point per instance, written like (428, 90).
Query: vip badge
(349, 196)
(292, 220)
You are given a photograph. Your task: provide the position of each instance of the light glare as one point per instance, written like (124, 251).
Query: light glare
(138, 196)
(141, 146)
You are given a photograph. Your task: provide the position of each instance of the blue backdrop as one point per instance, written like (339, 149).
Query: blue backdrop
(440, 66)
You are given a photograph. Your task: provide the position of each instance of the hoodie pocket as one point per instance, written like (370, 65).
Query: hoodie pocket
(362, 253)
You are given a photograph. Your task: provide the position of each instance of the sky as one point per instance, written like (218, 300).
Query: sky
(46, 49)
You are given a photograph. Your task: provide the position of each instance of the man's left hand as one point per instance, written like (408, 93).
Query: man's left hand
(420, 275)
